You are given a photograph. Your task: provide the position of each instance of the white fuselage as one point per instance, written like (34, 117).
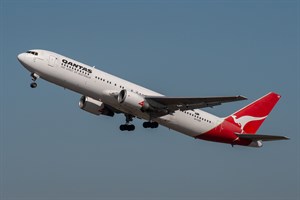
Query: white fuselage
(94, 83)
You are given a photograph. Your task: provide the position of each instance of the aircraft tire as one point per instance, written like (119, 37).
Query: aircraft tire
(33, 85)
(154, 125)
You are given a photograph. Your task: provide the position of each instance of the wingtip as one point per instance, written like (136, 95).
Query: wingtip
(240, 97)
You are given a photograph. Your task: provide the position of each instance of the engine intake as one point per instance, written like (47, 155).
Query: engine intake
(133, 100)
(94, 106)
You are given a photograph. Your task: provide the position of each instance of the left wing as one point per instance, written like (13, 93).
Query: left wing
(254, 137)
(172, 104)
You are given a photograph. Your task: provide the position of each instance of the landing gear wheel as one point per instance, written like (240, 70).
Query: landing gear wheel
(154, 125)
(150, 124)
(132, 127)
(122, 127)
(146, 124)
(33, 85)
(127, 127)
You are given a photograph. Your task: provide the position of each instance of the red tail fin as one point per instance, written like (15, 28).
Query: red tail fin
(251, 117)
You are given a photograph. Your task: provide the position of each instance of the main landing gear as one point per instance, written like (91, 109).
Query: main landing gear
(127, 126)
(34, 76)
(130, 127)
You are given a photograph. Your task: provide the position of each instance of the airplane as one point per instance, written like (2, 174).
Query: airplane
(105, 94)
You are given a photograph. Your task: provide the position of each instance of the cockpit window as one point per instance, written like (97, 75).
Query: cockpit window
(33, 53)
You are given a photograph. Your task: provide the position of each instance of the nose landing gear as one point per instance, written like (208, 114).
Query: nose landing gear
(34, 76)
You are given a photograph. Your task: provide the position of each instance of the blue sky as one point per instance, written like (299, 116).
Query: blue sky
(50, 149)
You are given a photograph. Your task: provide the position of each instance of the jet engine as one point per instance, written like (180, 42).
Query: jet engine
(133, 100)
(94, 106)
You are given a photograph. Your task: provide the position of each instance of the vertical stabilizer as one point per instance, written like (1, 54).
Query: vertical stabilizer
(251, 117)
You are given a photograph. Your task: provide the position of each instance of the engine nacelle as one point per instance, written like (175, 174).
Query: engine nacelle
(94, 106)
(133, 100)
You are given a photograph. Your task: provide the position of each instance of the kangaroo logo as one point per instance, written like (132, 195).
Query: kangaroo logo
(242, 121)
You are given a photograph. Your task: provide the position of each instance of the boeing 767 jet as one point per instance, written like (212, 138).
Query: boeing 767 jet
(105, 94)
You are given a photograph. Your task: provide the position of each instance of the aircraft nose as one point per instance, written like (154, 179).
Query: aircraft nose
(21, 57)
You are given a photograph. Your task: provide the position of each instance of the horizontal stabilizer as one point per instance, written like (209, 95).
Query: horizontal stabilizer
(254, 137)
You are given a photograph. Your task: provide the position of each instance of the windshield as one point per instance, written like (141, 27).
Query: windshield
(33, 53)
